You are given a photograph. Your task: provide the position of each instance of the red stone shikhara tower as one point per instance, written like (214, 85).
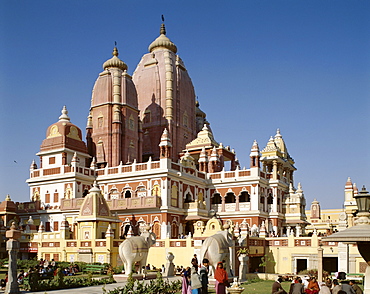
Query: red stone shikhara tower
(113, 130)
(156, 160)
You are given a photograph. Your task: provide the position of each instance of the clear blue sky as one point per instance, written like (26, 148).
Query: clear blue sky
(301, 66)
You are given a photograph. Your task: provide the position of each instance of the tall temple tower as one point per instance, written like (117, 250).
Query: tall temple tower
(166, 98)
(113, 127)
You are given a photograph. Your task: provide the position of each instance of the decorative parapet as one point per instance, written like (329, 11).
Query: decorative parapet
(116, 204)
(65, 169)
(134, 167)
(195, 205)
(243, 206)
(230, 174)
(134, 203)
(71, 204)
(149, 166)
(25, 207)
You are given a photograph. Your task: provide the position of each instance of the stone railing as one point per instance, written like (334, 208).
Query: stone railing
(135, 202)
(134, 167)
(229, 174)
(71, 204)
(64, 169)
(243, 206)
(28, 206)
(195, 205)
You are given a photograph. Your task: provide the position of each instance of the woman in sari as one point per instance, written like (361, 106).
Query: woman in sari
(313, 287)
(221, 279)
(186, 281)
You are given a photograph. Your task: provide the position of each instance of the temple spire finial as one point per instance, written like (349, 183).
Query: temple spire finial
(162, 31)
(115, 50)
(64, 116)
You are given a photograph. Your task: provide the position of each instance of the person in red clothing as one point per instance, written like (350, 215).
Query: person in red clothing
(313, 287)
(222, 279)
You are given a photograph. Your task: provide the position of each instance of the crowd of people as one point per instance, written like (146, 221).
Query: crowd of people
(299, 286)
(195, 278)
(45, 269)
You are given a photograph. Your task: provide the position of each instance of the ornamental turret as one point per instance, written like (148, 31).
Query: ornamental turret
(214, 162)
(203, 160)
(276, 159)
(63, 141)
(165, 145)
(255, 155)
(315, 209)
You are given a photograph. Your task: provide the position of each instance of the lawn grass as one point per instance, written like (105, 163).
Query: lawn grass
(262, 287)
(255, 287)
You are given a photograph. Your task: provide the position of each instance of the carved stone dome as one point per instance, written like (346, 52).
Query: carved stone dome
(162, 42)
(115, 61)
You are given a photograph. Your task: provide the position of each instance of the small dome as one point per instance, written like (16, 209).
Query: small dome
(162, 42)
(115, 61)
(8, 205)
(63, 134)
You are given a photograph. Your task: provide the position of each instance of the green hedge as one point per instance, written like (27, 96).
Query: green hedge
(157, 286)
(61, 282)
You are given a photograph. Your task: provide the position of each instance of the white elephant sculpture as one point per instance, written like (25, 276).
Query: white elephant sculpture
(135, 249)
(216, 248)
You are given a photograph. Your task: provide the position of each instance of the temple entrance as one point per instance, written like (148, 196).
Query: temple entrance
(254, 264)
(301, 265)
(189, 228)
(330, 264)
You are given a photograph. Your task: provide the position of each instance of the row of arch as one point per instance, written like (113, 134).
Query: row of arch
(230, 197)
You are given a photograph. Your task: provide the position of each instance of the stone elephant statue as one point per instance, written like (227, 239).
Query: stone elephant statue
(135, 249)
(216, 248)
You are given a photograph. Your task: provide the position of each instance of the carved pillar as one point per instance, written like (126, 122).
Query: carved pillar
(274, 169)
(116, 137)
(237, 202)
(12, 245)
(223, 198)
(243, 259)
(64, 158)
(319, 263)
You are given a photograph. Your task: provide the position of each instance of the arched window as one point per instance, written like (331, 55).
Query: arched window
(157, 230)
(174, 230)
(230, 198)
(128, 194)
(270, 199)
(85, 193)
(188, 198)
(244, 197)
(216, 199)
(189, 228)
